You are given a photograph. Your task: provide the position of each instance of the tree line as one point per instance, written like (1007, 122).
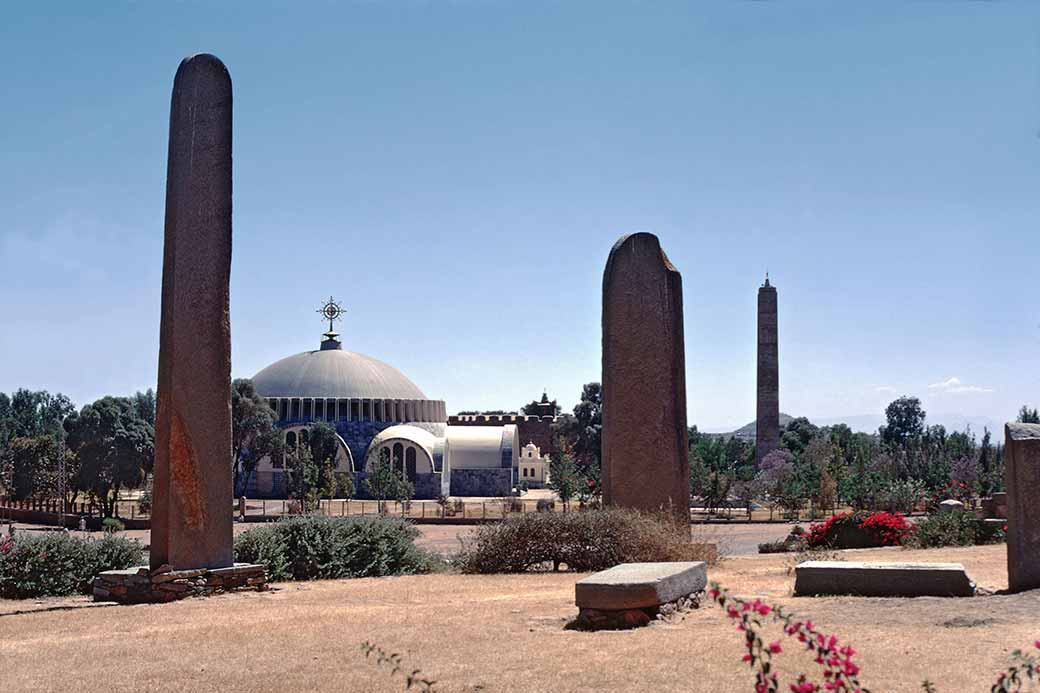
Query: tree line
(49, 450)
(904, 464)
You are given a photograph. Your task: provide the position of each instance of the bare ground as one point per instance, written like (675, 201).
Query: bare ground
(501, 633)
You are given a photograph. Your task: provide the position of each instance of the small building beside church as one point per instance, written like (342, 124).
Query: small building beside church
(533, 469)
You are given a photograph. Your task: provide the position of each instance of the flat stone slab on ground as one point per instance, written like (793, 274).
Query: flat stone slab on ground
(640, 585)
(882, 579)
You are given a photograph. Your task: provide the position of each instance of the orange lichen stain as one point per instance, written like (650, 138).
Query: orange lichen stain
(184, 475)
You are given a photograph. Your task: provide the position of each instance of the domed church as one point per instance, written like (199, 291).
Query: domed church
(373, 406)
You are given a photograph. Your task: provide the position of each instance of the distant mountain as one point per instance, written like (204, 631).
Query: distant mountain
(747, 431)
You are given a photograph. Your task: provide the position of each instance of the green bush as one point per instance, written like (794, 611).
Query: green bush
(957, 528)
(778, 546)
(583, 541)
(57, 564)
(111, 525)
(315, 547)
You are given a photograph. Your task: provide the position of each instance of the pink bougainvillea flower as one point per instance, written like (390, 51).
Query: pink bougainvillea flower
(774, 647)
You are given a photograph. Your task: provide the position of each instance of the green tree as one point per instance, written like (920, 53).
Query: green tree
(144, 405)
(582, 432)
(114, 447)
(301, 477)
(29, 414)
(905, 423)
(536, 407)
(324, 444)
(985, 464)
(1027, 415)
(32, 413)
(384, 482)
(797, 435)
(30, 467)
(564, 477)
(253, 432)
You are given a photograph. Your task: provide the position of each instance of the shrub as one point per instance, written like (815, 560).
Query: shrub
(859, 531)
(315, 547)
(778, 546)
(957, 528)
(545, 506)
(57, 564)
(111, 525)
(583, 541)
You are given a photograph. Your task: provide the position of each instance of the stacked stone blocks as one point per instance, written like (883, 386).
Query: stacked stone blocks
(164, 584)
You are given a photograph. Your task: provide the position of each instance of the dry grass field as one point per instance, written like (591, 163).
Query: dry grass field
(497, 633)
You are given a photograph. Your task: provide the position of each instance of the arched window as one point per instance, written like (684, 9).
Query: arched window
(398, 458)
(290, 440)
(409, 464)
(305, 436)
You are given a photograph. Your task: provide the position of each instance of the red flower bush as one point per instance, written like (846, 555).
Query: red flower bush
(890, 529)
(859, 531)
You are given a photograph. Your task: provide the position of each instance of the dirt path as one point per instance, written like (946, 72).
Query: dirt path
(498, 633)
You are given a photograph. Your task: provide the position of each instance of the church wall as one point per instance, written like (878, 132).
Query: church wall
(481, 482)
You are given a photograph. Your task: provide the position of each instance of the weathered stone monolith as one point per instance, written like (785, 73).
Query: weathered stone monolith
(767, 409)
(644, 443)
(192, 495)
(1022, 479)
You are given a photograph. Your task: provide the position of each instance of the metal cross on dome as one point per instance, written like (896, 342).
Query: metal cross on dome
(331, 311)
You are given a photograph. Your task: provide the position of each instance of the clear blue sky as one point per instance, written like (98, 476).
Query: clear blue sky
(456, 172)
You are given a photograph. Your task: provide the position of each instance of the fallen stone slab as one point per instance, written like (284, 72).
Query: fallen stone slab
(640, 585)
(882, 579)
(632, 595)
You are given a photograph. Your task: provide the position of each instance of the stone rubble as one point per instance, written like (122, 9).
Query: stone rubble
(164, 584)
(625, 619)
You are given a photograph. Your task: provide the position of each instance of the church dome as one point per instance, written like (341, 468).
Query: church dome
(334, 372)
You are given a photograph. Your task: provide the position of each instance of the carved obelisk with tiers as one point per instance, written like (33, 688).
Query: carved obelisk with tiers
(767, 420)
(645, 441)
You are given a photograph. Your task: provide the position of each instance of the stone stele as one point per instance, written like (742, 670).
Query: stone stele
(644, 440)
(640, 585)
(882, 579)
(1022, 480)
(192, 496)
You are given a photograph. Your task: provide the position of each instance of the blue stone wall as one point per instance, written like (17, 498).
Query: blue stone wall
(481, 482)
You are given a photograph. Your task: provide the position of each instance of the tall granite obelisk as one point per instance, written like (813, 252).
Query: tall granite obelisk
(767, 419)
(644, 439)
(192, 494)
